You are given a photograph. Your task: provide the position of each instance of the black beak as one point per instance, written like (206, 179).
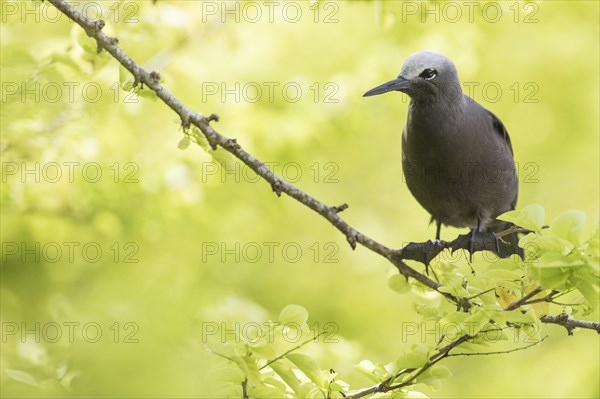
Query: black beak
(398, 84)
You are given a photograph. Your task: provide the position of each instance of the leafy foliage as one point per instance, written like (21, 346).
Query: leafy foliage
(559, 263)
(171, 203)
(559, 258)
(270, 366)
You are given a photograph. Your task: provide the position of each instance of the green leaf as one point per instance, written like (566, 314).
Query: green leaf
(451, 326)
(184, 143)
(551, 244)
(440, 371)
(530, 333)
(420, 348)
(367, 367)
(225, 159)
(428, 312)
(21, 376)
(501, 275)
(200, 138)
(430, 379)
(411, 360)
(265, 348)
(553, 259)
(227, 372)
(339, 385)
(513, 316)
(398, 283)
(505, 264)
(249, 367)
(569, 225)
(376, 372)
(588, 291)
(230, 391)
(594, 263)
(476, 322)
(552, 277)
(310, 391)
(284, 370)
(88, 44)
(530, 217)
(454, 286)
(266, 391)
(275, 383)
(147, 93)
(234, 345)
(308, 366)
(128, 87)
(587, 274)
(294, 315)
(493, 335)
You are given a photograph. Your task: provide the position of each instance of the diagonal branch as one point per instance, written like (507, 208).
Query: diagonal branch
(442, 353)
(215, 139)
(387, 386)
(278, 184)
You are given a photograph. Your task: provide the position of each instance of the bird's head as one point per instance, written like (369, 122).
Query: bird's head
(426, 76)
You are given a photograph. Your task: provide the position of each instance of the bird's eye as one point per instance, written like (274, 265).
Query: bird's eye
(428, 74)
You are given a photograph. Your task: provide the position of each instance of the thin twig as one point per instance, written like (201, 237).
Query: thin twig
(291, 350)
(498, 352)
(278, 184)
(548, 298)
(481, 293)
(215, 139)
(521, 301)
(386, 386)
(245, 389)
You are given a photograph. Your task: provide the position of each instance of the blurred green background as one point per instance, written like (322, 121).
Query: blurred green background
(165, 242)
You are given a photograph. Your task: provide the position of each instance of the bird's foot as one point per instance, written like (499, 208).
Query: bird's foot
(477, 241)
(422, 252)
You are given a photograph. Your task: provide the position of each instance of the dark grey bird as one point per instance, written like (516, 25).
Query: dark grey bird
(457, 156)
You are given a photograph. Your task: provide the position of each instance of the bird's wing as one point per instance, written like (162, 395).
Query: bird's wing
(500, 129)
